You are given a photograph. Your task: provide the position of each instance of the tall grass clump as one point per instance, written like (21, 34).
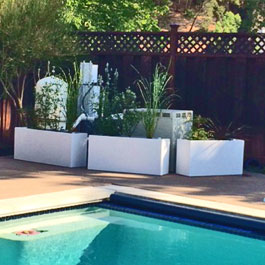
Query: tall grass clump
(156, 96)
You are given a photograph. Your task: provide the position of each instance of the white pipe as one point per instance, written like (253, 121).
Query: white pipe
(82, 117)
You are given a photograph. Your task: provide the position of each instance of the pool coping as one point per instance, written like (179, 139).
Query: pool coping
(75, 197)
(188, 201)
(49, 201)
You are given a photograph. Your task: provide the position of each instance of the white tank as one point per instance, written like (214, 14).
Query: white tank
(89, 74)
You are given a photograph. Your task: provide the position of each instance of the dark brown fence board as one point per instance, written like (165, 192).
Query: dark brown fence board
(239, 83)
(127, 70)
(196, 89)
(7, 123)
(255, 104)
(146, 65)
(180, 81)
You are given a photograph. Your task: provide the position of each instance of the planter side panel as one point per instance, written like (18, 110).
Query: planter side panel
(217, 158)
(123, 154)
(79, 150)
(165, 157)
(183, 157)
(46, 147)
(214, 158)
(172, 124)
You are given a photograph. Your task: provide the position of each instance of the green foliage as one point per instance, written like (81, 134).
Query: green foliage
(215, 10)
(199, 129)
(116, 15)
(48, 101)
(189, 13)
(155, 96)
(234, 15)
(30, 31)
(127, 104)
(230, 23)
(253, 14)
(73, 79)
(116, 110)
(205, 128)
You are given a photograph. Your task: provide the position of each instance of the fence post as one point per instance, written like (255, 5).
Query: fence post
(173, 54)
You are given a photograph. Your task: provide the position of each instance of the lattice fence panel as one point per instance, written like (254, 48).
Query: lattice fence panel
(220, 44)
(125, 42)
(159, 43)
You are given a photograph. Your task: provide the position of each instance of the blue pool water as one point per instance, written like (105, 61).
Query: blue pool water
(96, 236)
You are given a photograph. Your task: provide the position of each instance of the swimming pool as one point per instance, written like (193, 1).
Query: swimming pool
(100, 236)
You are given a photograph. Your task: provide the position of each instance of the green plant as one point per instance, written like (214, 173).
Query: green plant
(199, 129)
(233, 15)
(230, 23)
(131, 117)
(156, 96)
(205, 129)
(225, 131)
(48, 102)
(116, 15)
(189, 13)
(73, 80)
(116, 110)
(31, 31)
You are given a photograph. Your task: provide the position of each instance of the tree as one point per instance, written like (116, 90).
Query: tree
(30, 31)
(253, 15)
(220, 12)
(116, 15)
(230, 23)
(230, 15)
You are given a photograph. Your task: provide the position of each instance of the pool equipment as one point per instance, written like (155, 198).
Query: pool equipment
(88, 93)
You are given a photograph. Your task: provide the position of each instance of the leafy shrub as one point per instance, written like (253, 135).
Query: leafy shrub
(189, 13)
(116, 15)
(199, 129)
(230, 23)
(206, 129)
(116, 110)
(48, 101)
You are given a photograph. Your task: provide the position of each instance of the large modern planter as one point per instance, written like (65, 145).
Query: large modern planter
(172, 124)
(210, 157)
(127, 154)
(49, 147)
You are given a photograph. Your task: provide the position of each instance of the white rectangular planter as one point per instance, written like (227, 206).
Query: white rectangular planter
(127, 154)
(209, 157)
(172, 124)
(48, 147)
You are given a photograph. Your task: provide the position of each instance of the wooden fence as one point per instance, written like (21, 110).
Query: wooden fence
(217, 75)
(7, 123)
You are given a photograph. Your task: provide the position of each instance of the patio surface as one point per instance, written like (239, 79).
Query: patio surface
(19, 178)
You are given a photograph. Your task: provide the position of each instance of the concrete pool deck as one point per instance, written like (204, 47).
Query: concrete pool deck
(238, 194)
